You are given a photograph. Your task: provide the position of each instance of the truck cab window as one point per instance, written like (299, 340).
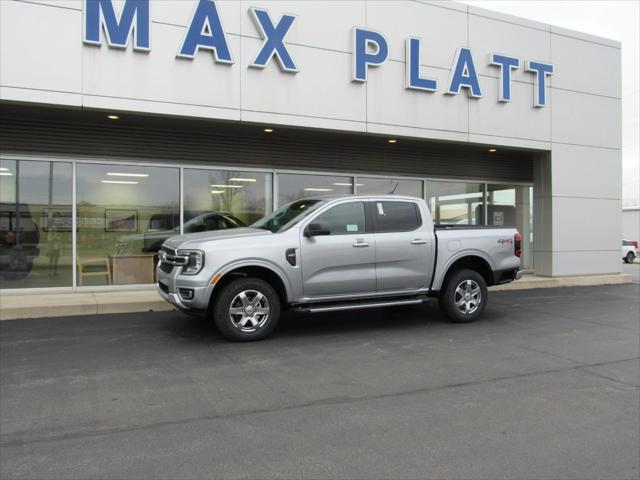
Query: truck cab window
(345, 219)
(396, 216)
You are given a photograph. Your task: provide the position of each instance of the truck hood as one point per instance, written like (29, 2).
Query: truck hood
(193, 239)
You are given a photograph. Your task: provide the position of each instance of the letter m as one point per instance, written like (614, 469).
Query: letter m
(101, 14)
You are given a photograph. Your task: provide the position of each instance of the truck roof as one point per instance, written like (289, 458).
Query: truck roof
(363, 197)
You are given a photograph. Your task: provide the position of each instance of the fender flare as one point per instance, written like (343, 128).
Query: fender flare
(437, 284)
(254, 262)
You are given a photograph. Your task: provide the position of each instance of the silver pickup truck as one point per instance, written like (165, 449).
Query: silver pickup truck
(335, 253)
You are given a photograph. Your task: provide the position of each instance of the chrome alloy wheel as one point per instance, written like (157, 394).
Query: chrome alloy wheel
(468, 297)
(249, 311)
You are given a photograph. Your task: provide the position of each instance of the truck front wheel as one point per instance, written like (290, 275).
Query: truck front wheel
(246, 309)
(464, 296)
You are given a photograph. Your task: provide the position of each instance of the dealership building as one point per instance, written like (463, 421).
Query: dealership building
(125, 122)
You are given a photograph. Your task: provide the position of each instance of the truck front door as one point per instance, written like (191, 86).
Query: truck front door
(341, 262)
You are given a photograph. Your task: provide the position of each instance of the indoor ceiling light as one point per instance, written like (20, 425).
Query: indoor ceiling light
(4, 169)
(268, 130)
(6, 174)
(123, 182)
(228, 186)
(392, 140)
(217, 191)
(341, 184)
(492, 150)
(116, 174)
(113, 117)
(318, 189)
(242, 180)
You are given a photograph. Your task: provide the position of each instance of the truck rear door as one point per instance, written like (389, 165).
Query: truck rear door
(404, 245)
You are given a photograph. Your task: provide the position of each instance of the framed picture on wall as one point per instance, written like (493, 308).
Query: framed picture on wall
(121, 221)
(57, 219)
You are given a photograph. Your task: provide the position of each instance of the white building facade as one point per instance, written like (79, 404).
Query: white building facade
(122, 120)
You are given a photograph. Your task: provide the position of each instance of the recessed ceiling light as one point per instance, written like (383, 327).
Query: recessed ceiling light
(117, 174)
(120, 182)
(228, 186)
(492, 150)
(318, 189)
(217, 191)
(392, 140)
(268, 130)
(6, 174)
(4, 169)
(251, 180)
(113, 117)
(341, 184)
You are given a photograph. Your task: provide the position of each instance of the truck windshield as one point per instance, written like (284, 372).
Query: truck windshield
(287, 215)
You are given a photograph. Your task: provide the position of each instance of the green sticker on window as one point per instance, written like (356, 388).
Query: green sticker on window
(352, 228)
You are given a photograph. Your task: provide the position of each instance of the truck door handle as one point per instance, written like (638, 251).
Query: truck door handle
(360, 244)
(418, 241)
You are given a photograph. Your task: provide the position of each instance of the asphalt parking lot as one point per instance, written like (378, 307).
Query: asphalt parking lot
(546, 385)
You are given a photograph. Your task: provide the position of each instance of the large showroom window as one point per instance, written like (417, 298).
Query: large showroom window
(388, 186)
(294, 186)
(124, 214)
(456, 203)
(221, 199)
(35, 224)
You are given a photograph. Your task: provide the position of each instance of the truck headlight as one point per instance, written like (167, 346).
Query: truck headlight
(194, 261)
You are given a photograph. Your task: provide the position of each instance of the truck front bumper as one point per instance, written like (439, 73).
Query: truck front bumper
(183, 292)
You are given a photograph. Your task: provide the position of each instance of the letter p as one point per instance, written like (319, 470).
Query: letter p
(363, 39)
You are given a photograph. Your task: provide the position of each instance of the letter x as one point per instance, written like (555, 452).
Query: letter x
(273, 36)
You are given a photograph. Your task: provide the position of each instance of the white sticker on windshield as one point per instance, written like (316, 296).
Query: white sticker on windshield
(380, 209)
(352, 228)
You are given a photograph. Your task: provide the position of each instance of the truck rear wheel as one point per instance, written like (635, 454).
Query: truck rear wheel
(464, 296)
(246, 309)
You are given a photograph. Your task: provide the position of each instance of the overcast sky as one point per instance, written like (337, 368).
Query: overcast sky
(618, 20)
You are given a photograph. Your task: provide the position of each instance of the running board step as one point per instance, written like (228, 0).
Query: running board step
(334, 307)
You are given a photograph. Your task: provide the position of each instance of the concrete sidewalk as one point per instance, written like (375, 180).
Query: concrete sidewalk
(38, 305)
(70, 304)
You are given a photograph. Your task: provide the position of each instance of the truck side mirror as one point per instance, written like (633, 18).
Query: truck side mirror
(316, 229)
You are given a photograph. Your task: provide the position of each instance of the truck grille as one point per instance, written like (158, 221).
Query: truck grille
(166, 267)
(169, 251)
(169, 258)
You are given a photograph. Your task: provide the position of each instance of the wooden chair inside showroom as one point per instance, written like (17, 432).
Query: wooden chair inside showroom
(94, 267)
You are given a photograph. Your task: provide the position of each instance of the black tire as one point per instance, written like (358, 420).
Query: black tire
(257, 326)
(468, 281)
(630, 257)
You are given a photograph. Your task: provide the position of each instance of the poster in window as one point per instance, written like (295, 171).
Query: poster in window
(121, 221)
(57, 219)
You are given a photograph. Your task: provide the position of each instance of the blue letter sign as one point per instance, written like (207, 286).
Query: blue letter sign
(205, 31)
(273, 36)
(506, 64)
(362, 59)
(99, 14)
(464, 74)
(370, 48)
(542, 70)
(412, 65)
